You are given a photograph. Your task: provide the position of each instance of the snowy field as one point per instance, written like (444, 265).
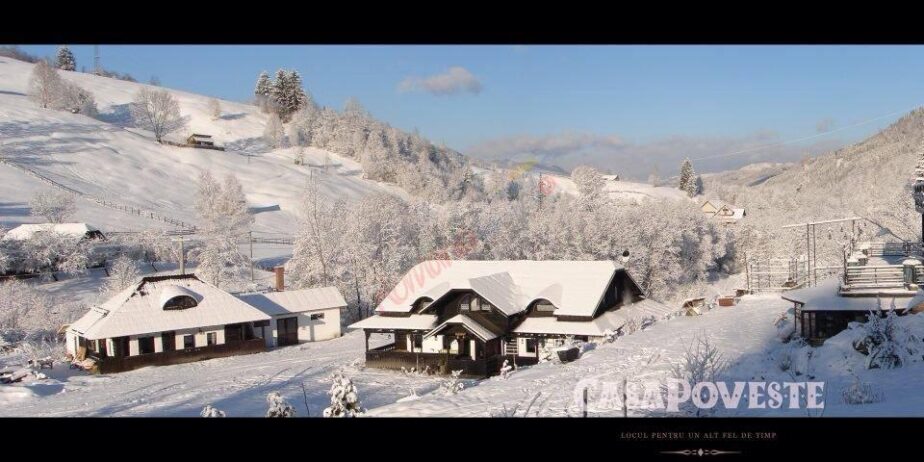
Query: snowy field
(745, 335)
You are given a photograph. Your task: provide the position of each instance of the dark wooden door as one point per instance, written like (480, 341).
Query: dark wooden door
(234, 333)
(169, 341)
(287, 331)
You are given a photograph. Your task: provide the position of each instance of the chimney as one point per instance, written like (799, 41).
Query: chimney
(280, 278)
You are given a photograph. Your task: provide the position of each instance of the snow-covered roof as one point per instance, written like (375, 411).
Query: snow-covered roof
(576, 288)
(412, 322)
(197, 135)
(610, 320)
(26, 231)
(470, 324)
(138, 309)
(296, 301)
(825, 297)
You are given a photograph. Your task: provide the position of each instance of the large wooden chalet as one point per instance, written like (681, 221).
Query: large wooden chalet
(180, 318)
(472, 315)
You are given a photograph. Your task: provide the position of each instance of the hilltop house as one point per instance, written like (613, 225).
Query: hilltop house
(180, 318)
(722, 211)
(472, 315)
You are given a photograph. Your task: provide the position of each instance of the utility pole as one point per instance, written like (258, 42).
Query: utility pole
(250, 238)
(96, 67)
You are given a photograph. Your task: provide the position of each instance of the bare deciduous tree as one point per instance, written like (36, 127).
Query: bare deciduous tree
(55, 206)
(45, 85)
(214, 109)
(157, 111)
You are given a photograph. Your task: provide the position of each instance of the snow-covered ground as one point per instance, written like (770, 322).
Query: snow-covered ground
(108, 159)
(745, 335)
(621, 189)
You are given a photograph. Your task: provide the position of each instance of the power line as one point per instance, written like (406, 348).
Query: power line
(817, 135)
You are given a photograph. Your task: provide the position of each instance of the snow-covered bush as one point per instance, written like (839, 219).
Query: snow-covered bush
(647, 322)
(278, 406)
(610, 336)
(209, 411)
(45, 85)
(785, 327)
(887, 342)
(701, 362)
(344, 398)
(861, 393)
(453, 384)
(506, 369)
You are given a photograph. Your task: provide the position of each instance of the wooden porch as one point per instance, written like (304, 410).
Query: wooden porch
(111, 364)
(386, 357)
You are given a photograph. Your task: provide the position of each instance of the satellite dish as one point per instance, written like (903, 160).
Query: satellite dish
(625, 256)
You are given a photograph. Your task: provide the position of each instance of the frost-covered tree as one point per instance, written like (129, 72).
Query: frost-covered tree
(122, 274)
(45, 85)
(287, 94)
(278, 406)
(273, 133)
(65, 59)
(344, 398)
(157, 111)
(590, 184)
(77, 100)
(30, 314)
(687, 181)
(225, 222)
(56, 206)
(214, 108)
(210, 411)
(263, 91)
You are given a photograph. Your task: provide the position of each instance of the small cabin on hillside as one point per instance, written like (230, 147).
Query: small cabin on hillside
(610, 177)
(199, 140)
(723, 211)
(175, 319)
(473, 315)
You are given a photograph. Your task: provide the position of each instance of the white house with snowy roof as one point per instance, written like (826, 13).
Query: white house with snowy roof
(180, 318)
(472, 315)
(75, 230)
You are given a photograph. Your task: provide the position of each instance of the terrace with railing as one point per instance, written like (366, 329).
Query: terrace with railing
(883, 268)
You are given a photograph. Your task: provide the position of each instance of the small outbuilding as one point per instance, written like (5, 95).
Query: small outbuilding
(200, 140)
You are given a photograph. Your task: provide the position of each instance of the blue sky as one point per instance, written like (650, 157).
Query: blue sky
(572, 104)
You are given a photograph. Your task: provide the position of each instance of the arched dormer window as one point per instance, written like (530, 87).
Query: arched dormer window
(178, 298)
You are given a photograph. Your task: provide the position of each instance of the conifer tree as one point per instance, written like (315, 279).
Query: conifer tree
(65, 59)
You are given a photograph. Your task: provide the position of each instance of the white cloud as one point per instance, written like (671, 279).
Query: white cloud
(455, 80)
(637, 160)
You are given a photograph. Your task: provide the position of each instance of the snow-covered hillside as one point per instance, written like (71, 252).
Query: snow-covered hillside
(109, 160)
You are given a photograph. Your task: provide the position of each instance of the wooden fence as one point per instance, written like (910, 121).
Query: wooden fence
(101, 201)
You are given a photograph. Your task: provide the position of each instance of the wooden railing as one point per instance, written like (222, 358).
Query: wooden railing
(875, 276)
(880, 248)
